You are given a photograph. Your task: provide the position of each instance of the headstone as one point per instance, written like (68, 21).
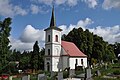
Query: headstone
(71, 73)
(98, 73)
(42, 77)
(52, 73)
(27, 77)
(60, 75)
(106, 65)
(10, 77)
(112, 61)
(88, 74)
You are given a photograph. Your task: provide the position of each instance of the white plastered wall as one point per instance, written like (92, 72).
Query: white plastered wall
(72, 61)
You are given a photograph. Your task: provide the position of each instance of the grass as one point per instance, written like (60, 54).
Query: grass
(112, 68)
(100, 78)
(16, 79)
(33, 77)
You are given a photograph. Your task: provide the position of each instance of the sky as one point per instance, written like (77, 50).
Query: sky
(31, 17)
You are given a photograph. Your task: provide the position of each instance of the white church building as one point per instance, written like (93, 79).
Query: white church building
(59, 54)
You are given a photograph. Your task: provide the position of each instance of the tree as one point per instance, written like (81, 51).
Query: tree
(92, 45)
(41, 59)
(24, 60)
(4, 42)
(35, 57)
(15, 56)
(63, 37)
(116, 47)
(89, 44)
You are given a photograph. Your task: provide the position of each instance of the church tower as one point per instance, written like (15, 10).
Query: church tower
(52, 45)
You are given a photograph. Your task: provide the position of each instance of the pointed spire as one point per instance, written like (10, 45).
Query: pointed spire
(52, 22)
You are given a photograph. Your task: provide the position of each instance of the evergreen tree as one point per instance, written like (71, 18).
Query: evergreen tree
(4, 43)
(41, 60)
(35, 57)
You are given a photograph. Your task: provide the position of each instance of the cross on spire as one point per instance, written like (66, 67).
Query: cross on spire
(53, 22)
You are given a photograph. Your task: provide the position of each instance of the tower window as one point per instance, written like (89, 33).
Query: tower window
(56, 38)
(48, 51)
(48, 38)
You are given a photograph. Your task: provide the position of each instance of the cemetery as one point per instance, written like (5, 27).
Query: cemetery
(63, 58)
(101, 72)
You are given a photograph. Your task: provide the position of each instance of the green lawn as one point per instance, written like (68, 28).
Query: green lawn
(111, 69)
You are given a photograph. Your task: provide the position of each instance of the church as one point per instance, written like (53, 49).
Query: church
(59, 54)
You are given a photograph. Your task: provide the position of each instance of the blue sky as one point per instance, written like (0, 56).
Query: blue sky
(31, 17)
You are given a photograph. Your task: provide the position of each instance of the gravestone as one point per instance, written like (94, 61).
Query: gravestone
(42, 77)
(52, 73)
(98, 73)
(106, 65)
(10, 77)
(60, 75)
(88, 74)
(71, 73)
(27, 77)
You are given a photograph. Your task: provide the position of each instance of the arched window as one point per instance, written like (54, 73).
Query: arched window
(48, 38)
(48, 66)
(48, 51)
(56, 38)
(76, 61)
(82, 61)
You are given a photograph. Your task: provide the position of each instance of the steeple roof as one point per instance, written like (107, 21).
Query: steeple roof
(53, 22)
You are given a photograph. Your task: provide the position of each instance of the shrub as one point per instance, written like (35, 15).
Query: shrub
(116, 72)
(65, 74)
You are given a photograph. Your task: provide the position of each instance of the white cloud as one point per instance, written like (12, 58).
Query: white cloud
(7, 9)
(58, 2)
(30, 34)
(19, 45)
(47, 2)
(35, 9)
(18, 10)
(91, 3)
(81, 23)
(108, 4)
(109, 34)
(28, 38)
(84, 23)
(72, 2)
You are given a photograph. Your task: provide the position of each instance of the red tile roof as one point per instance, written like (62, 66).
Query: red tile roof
(72, 50)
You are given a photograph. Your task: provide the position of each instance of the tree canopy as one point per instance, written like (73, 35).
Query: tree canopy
(4, 42)
(92, 45)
